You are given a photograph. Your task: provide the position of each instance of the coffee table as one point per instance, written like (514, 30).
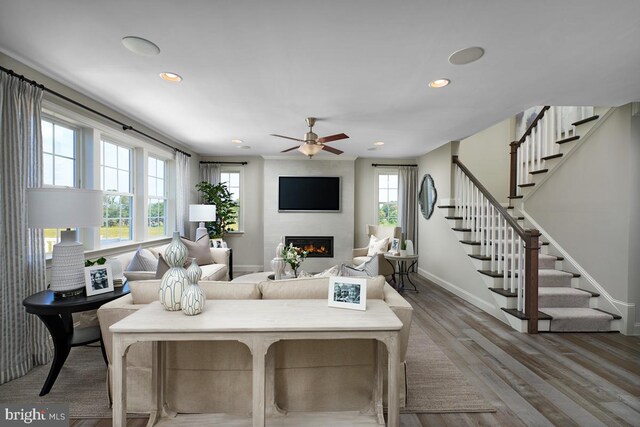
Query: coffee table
(258, 324)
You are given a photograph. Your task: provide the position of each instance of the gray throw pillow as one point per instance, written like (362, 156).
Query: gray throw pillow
(143, 260)
(200, 250)
(163, 267)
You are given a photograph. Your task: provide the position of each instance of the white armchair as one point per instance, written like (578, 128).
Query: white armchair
(360, 254)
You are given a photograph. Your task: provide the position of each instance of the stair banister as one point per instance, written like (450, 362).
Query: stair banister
(485, 207)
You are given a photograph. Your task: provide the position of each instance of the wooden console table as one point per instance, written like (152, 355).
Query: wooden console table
(257, 324)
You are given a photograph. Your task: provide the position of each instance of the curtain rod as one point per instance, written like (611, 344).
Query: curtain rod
(125, 126)
(223, 163)
(375, 165)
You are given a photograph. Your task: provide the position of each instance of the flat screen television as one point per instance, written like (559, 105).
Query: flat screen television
(309, 194)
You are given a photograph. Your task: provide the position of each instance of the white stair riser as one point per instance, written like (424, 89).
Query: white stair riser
(504, 302)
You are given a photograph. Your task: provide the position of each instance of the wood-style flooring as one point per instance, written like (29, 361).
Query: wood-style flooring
(561, 379)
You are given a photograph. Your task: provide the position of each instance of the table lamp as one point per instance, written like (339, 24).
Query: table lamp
(65, 208)
(202, 214)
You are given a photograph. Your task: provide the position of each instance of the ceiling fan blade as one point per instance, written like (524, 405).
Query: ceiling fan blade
(330, 138)
(290, 149)
(288, 137)
(332, 150)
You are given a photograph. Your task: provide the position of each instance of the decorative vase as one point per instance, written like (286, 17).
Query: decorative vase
(193, 298)
(280, 247)
(278, 265)
(403, 252)
(175, 279)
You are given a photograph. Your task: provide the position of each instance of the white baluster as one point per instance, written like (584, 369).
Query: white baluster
(479, 236)
(477, 213)
(519, 163)
(520, 275)
(505, 270)
(512, 267)
(500, 240)
(492, 229)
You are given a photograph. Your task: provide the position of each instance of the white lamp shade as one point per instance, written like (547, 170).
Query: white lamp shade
(64, 207)
(202, 213)
(310, 149)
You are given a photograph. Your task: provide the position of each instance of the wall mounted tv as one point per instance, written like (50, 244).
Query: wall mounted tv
(309, 194)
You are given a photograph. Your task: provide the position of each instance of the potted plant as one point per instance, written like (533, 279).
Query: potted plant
(226, 208)
(403, 248)
(293, 256)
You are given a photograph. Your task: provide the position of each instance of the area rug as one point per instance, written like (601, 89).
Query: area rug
(435, 385)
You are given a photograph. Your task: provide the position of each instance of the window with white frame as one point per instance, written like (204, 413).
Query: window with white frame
(116, 178)
(232, 178)
(387, 198)
(59, 153)
(157, 200)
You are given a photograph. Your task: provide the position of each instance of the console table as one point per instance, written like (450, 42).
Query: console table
(258, 324)
(56, 315)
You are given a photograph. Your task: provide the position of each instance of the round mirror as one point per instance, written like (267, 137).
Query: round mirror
(427, 196)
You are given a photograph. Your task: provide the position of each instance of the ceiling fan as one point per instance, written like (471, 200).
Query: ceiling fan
(311, 144)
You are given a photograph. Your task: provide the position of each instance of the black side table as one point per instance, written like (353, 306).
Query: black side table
(56, 315)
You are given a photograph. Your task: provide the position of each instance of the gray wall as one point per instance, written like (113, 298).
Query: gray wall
(486, 155)
(339, 225)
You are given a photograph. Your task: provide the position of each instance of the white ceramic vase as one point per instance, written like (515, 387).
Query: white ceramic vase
(175, 279)
(193, 297)
(278, 265)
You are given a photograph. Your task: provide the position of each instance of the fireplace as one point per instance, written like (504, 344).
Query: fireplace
(316, 246)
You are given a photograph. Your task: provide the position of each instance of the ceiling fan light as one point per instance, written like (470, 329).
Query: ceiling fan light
(310, 149)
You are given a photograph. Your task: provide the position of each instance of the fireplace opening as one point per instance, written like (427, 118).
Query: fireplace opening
(316, 246)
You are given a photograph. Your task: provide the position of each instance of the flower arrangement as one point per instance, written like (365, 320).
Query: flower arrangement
(293, 256)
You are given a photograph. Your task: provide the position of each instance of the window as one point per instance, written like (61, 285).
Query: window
(388, 198)
(157, 209)
(231, 178)
(58, 165)
(115, 173)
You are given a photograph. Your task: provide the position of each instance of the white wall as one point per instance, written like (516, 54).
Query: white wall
(365, 195)
(339, 225)
(486, 155)
(247, 246)
(634, 223)
(589, 205)
(442, 258)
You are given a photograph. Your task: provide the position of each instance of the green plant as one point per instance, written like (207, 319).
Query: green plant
(403, 245)
(99, 261)
(293, 256)
(226, 208)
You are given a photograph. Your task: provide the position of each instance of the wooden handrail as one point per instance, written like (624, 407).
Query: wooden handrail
(510, 220)
(533, 124)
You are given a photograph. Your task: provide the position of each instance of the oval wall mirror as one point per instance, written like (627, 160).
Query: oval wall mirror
(427, 196)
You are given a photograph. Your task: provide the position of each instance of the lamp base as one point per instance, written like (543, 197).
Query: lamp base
(201, 231)
(67, 264)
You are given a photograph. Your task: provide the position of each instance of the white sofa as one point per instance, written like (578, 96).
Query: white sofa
(212, 377)
(218, 271)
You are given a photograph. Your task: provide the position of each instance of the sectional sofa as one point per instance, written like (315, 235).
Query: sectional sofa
(213, 377)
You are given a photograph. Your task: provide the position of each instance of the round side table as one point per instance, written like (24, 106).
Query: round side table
(403, 269)
(56, 315)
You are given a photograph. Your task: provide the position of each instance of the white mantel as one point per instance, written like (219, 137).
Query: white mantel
(340, 225)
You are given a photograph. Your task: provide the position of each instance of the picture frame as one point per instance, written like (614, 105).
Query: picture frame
(98, 279)
(218, 243)
(348, 292)
(395, 246)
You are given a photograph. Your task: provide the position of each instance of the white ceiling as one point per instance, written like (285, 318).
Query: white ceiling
(252, 68)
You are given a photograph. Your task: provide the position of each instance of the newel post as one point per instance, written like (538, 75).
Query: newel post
(513, 175)
(532, 247)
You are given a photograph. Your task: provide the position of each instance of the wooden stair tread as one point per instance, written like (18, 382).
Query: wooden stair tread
(494, 274)
(470, 242)
(446, 207)
(516, 197)
(615, 316)
(504, 292)
(539, 171)
(593, 294)
(529, 184)
(461, 229)
(553, 156)
(571, 138)
(587, 120)
(520, 315)
(452, 217)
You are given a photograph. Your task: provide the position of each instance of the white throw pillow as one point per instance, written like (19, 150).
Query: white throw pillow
(377, 246)
(143, 260)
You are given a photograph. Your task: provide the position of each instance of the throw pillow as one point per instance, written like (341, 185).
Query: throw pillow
(143, 260)
(332, 271)
(377, 246)
(200, 250)
(163, 267)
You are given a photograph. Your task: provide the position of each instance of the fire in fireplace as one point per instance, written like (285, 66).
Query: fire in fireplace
(316, 246)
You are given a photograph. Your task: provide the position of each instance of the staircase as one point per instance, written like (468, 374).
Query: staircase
(513, 263)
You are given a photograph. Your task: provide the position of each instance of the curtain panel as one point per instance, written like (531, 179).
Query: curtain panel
(408, 202)
(24, 338)
(183, 190)
(210, 173)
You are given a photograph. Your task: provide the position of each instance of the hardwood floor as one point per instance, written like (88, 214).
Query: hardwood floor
(562, 379)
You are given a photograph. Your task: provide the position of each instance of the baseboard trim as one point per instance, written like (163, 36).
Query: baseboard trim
(478, 302)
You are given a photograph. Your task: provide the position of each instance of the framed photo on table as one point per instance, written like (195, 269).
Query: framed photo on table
(395, 246)
(98, 279)
(348, 292)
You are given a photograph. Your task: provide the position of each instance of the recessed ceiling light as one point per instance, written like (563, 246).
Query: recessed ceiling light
(466, 55)
(439, 83)
(373, 148)
(379, 143)
(170, 77)
(140, 46)
(236, 141)
(244, 147)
